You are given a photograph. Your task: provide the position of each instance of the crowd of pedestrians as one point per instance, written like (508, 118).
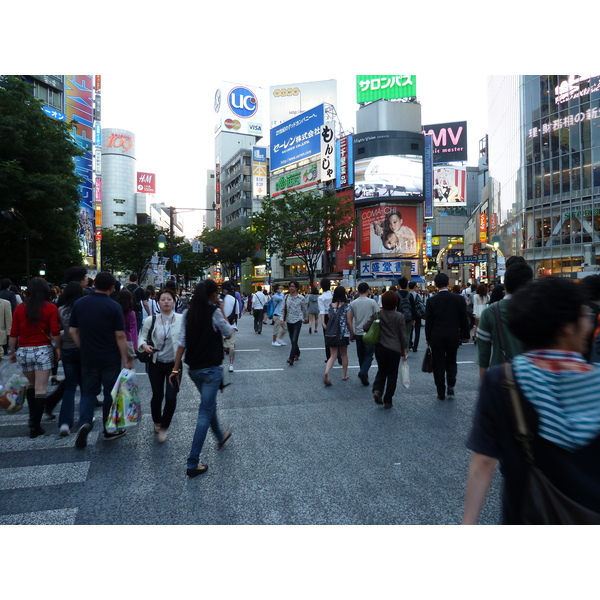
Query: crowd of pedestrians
(546, 331)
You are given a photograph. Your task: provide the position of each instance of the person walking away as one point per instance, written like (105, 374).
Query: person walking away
(125, 299)
(406, 305)
(313, 310)
(34, 330)
(5, 325)
(232, 311)
(258, 300)
(139, 299)
(390, 349)
(278, 324)
(162, 344)
(294, 315)
(489, 337)
(415, 334)
(7, 294)
(339, 307)
(98, 330)
(559, 394)
(445, 324)
(324, 303)
(201, 338)
(362, 309)
(71, 359)
(480, 302)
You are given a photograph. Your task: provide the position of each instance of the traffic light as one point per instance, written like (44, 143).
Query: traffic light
(162, 241)
(210, 251)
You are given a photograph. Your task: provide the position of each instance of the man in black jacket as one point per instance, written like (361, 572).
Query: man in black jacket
(445, 324)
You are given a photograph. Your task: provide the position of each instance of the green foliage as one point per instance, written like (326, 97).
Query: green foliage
(235, 246)
(304, 225)
(39, 199)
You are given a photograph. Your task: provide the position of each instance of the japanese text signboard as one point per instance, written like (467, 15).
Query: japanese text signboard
(370, 88)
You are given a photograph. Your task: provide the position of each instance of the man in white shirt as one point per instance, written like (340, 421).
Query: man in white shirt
(231, 308)
(258, 309)
(324, 304)
(362, 309)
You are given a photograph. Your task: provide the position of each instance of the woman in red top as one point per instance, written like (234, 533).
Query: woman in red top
(35, 324)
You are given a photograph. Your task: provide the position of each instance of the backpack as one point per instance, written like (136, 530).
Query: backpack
(138, 296)
(404, 305)
(419, 308)
(333, 331)
(270, 307)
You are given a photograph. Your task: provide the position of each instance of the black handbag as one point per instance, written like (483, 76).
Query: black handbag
(543, 503)
(142, 355)
(427, 366)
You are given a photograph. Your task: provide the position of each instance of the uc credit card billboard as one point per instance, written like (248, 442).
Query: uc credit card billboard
(239, 108)
(298, 138)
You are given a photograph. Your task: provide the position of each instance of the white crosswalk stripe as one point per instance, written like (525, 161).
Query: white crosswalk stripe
(42, 475)
(63, 516)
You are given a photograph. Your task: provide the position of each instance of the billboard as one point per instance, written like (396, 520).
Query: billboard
(391, 176)
(370, 88)
(298, 179)
(146, 183)
(388, 230)
(287, 101)
(449, 186)
(297, 139)
(259, 172)
(344, 167)
(449, 141)
(239, 109)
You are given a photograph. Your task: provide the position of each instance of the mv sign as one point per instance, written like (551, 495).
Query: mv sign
(449, 141)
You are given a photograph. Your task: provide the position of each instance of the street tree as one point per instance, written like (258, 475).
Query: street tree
(234, 246)
(39, 197)
(304, 225)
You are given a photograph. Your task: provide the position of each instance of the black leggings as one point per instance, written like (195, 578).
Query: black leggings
(158, 374)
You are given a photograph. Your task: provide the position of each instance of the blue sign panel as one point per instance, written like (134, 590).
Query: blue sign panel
(428, 242)
(428, 178)
(176, 258)
(242, 102)
(54, 114)
(298, 138)
(469, 258)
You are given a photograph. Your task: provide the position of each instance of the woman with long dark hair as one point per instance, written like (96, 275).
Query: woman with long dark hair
(71, 359)
(339, 304)
(162, 344)
(35, 325)
(125, 299)
(201, 338)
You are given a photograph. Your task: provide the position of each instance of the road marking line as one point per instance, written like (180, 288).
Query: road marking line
(62, 516)
(42, 475)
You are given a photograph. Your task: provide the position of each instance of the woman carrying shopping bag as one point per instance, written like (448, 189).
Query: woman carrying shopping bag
(162, 345)
(35, 327)
(390, 349)
(202, 331)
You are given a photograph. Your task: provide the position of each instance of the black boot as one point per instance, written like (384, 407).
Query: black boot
(38, 411)
(30, 397)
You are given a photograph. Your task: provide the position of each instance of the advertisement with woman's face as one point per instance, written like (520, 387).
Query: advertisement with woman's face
(389, 230)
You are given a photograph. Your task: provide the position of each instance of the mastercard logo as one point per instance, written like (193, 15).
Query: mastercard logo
(232, 124)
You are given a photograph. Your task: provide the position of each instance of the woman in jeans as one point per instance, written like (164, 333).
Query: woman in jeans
(203, 329)
(390, 349)
(70, 358)
(294, 314)
(162, 346)
(35, 325)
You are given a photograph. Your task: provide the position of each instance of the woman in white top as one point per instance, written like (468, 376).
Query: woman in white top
(163, 346)
(480, 302)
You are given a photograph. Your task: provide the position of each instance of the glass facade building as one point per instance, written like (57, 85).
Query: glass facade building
(545, 169)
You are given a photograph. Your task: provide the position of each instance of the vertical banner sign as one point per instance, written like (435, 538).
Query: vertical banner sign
(483, 228)
(428, 243)
(259, 172)
(327, 151)
(218, 196)
(428, 177)
(344, 167)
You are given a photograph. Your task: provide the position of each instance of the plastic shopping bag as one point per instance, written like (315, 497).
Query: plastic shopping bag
(125, 410)
(13, 387)
(404, 374)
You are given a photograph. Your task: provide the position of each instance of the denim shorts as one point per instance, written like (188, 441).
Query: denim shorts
(35, 358)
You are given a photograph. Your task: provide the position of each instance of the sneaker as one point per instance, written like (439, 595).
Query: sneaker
(282, 343)
(114, 436)
(64, 430)
(275, 344)
(162, 436)
(82, 434)
(230, 369)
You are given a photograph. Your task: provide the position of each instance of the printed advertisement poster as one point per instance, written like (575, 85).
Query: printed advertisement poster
(449, 186)
(389, 230)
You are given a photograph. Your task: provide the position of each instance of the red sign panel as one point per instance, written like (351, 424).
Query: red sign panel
(146, 183)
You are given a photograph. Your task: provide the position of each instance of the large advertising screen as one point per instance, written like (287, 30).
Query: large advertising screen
(449, 141)
(388, 230)
(449, 186)
(292, 99)
(392, 176)
(297, 139)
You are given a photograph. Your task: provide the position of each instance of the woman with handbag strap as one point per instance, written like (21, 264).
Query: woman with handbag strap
(162, 346)
(390, 348)
(560, 407)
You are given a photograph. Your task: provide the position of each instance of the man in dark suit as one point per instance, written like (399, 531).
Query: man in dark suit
(445, 324)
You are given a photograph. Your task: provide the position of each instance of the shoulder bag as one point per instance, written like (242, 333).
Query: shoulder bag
(142, 355)
(371, 337)
(543, 503)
